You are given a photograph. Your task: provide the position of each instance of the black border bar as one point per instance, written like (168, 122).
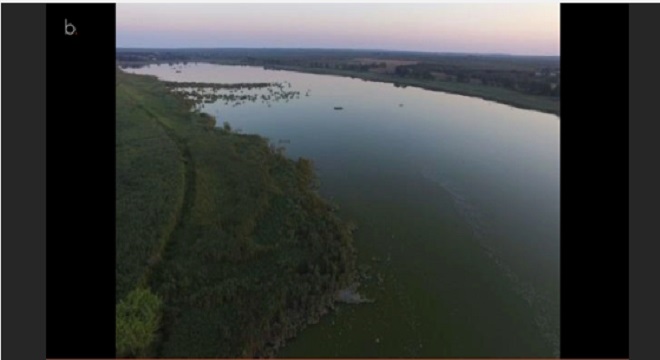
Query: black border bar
(80, 186)
(594, 181)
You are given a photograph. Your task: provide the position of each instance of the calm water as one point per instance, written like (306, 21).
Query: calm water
(457, 203)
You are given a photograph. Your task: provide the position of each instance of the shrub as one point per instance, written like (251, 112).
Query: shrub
(138, 319)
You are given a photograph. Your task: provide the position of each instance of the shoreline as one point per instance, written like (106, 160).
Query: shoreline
(469, 90)
(488, 93)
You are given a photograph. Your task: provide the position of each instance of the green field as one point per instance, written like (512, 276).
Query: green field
(224, 248)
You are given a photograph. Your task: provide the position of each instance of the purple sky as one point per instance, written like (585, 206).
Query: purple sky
(523, 28)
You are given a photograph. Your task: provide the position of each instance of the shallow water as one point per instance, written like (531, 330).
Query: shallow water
(457, 203)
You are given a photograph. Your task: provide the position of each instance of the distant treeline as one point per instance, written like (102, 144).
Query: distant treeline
(530, 75)
(540, 81)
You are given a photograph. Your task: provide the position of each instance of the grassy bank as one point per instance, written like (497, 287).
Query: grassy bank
(491, 93)
(224, 248)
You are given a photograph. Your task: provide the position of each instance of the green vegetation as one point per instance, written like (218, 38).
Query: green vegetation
(224, 248)
(138, 318)
(531, 82)
(199, 93)
(150, 187)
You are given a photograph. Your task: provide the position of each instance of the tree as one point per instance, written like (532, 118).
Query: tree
(138, 319)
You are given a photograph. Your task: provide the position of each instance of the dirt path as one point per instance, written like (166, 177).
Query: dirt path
(175, 238)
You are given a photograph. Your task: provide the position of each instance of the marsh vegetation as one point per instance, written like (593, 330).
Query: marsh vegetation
(224, 247)
(234, 94)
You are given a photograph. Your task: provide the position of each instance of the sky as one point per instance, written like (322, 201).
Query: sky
(513, 28)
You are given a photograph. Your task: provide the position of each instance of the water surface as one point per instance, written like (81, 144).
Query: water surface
(457, 203)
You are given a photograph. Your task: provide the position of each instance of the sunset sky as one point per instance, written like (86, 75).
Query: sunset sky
(522, 28)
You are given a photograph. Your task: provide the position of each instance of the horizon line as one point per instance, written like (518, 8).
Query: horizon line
(332, 48)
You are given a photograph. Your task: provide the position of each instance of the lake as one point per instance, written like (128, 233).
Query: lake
(456, 201)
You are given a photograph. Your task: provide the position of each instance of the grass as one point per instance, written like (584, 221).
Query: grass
(226, 232)
(149, 184)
